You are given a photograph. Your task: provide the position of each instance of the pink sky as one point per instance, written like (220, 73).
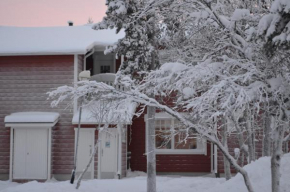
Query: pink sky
(31, 13)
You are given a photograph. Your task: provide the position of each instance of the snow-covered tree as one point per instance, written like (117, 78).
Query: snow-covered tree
(224, 76)
(275, 29)
(108, 111)
(140, 21)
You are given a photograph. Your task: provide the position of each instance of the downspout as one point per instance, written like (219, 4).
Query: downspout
(119, 169)
(86, 56)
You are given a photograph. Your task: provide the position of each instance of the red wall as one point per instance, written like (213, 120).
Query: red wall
(164, 163)
(24, 82)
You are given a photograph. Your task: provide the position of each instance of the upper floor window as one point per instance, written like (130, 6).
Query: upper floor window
(100, 63)
(105, 69)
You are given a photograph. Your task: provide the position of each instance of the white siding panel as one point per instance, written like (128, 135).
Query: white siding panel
(37, 147)
(30, 154)
(19, 163)
(86, 145)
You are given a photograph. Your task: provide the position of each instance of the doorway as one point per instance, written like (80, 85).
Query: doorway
(108, 154)
(30, 154)
(85, 150)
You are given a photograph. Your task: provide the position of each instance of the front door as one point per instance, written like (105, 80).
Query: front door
(108, 153)
(30, 153)
(85, 149)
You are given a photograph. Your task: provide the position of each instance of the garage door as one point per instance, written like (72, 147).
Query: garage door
(30, 153)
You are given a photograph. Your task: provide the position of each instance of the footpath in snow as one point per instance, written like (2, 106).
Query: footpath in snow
(259, 172)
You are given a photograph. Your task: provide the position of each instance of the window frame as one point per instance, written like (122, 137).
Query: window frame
(201, 145)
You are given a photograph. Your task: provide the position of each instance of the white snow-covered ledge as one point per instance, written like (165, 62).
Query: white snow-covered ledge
(32, 119)
(117, 113)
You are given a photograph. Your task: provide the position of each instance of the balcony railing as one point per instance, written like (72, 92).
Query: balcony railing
(108, 78)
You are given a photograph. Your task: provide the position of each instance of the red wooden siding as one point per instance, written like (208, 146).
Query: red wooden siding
(164, 163)
(24, 82)
(118, 63)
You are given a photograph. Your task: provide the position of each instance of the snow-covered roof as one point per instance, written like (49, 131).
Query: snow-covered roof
(54, 40)
(112, 113)
(32, 117)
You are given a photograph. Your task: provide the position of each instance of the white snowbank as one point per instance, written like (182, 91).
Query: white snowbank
(260, 176)
(32, 117)
(54, 40)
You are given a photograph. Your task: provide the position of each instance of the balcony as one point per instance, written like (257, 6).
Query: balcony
(107, 78)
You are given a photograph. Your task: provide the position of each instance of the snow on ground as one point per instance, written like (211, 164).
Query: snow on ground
(133, 184)
(259, 172)
(260, 176)
(7, 184)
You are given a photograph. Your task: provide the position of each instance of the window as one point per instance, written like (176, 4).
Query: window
(170, 140)
(100, 63)
(105, 69)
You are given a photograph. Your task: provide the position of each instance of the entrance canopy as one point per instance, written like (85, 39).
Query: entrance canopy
(37, 119)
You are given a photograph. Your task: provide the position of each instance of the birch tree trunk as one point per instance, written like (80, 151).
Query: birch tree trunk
(227, 167)
(243, 149)
(267, 131)
(151, 156)
(276, 157)
(250, 137)
(88, 165)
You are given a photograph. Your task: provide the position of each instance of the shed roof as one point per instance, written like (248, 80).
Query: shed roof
(32, 117)
(54, 40)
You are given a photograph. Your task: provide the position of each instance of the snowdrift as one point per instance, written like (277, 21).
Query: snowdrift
(260, 175)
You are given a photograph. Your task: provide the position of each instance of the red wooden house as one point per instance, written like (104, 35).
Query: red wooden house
(38, 142)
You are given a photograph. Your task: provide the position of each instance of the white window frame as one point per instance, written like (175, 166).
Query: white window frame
(201, 145)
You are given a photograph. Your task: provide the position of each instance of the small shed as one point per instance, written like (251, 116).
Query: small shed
(30, 142)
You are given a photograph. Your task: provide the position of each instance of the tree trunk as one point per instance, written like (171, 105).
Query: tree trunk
(151, 156)
(250, 137)
(267, 138)
(243, 149)
(227, 167)
(276, 157)
(88, 165)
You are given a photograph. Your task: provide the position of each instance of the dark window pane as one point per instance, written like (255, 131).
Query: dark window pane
(105, 69)
(163, 134)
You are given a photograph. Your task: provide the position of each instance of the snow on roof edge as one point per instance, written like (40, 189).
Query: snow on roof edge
(63, 40)
(32, 117)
